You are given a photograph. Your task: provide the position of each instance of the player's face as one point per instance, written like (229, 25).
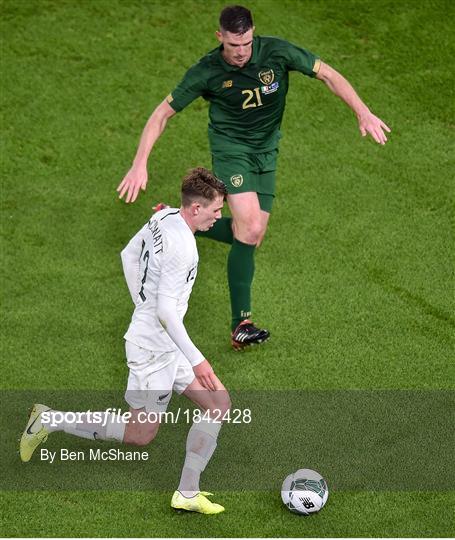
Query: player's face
(237, 48)
(207, 215)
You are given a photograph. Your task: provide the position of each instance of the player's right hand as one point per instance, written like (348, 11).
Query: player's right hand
(206, 376)
(369, 123)
(134, 180)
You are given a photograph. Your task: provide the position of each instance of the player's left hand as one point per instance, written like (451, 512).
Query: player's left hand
(369, 123)
(206, 376)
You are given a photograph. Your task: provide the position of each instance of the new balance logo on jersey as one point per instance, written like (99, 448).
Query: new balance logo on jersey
(227, 84)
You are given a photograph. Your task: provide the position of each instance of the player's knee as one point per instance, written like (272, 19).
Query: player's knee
(222, 403)
(226, 405)
(261, 238)
(144, 436)
(253, 232)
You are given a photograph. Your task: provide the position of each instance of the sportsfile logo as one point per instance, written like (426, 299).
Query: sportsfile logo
(116, 416)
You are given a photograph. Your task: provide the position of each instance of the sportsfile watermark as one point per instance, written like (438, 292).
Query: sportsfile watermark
(372, 440)
(112, 415)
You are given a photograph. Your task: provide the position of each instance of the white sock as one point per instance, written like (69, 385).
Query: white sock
(102, 426)
(200, 445)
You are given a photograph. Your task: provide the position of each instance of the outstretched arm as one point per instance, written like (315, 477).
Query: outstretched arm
(368, 122)
(136, 178)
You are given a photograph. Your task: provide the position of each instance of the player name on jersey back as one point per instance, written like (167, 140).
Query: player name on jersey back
(167, 258)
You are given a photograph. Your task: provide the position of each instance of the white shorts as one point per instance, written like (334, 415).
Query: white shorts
(153, 377)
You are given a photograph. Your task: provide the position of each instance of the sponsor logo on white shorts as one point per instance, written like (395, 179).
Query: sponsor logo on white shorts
(162, 399)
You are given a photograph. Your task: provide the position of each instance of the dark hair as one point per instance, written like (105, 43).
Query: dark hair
(236, 19)
(201, 185)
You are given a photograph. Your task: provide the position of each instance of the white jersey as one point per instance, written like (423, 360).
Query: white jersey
(161, 259)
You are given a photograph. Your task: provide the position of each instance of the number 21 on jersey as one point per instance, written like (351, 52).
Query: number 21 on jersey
(253, 98)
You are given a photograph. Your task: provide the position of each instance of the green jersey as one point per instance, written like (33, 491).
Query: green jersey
(247, 103)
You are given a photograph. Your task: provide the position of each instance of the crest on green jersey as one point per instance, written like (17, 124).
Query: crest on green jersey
(237, 180)
(266, 76)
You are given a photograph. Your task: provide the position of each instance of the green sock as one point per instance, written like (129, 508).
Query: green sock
(240, 269)
(221, 231)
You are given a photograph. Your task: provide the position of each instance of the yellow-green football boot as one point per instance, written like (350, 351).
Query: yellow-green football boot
(34, 434)
(198, 503)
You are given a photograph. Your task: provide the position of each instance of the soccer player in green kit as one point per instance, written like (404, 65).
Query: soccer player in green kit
(245, 80)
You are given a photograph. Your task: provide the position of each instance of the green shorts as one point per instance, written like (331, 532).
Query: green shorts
(248, 172)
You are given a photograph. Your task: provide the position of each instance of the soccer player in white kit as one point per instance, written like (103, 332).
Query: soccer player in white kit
(160, 266)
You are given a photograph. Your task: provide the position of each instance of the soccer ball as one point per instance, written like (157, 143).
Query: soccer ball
(304, 492)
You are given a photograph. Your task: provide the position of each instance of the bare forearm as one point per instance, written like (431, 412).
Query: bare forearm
(136, 178)
(368, 122)
(344, 90)
(152, 132)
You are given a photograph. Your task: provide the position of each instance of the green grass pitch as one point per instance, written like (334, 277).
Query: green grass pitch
(354, 279)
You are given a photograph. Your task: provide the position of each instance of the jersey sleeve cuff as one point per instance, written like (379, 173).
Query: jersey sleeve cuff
(317, 66)
(196, 359)
(170, 100)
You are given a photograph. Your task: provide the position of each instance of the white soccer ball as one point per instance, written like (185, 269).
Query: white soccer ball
(304, 492)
